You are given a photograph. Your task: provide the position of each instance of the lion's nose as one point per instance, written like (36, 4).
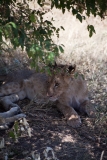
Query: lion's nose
(49, 95)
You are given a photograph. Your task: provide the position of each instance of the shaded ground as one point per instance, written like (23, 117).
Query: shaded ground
(49, 128)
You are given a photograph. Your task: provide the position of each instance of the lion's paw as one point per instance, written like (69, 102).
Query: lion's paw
(74, 122)
(91, 112)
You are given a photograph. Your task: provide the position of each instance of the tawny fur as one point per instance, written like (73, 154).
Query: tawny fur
(71, 94)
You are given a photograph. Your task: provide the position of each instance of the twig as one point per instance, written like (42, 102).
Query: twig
(102, 154)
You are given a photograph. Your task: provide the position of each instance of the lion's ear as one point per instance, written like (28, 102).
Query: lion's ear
(71, 69)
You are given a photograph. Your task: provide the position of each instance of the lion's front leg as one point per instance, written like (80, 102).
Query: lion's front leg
(87, 108)
(70, 114)
(8, 101)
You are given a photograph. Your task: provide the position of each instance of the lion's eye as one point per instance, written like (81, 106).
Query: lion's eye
(56, 84)
(48, 82)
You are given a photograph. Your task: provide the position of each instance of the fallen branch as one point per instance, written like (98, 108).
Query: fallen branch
(102, 154)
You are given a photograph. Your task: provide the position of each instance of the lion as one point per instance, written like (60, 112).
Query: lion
(69, 93)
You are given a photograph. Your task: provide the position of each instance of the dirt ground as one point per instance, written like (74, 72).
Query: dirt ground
(49, 128)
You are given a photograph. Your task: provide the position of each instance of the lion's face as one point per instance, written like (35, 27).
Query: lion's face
(58, 84)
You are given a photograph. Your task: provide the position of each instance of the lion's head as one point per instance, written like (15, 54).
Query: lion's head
(59, 82)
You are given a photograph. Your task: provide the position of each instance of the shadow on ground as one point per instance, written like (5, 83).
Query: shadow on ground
(49, 129)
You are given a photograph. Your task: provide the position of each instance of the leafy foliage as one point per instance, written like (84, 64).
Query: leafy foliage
(91, 30)
(24, 27)
(15, 133)
(79, 7)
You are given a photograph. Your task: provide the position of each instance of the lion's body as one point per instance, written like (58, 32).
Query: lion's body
(71, 94)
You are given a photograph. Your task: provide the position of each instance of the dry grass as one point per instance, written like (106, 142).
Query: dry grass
(89, 54)
(76, 39)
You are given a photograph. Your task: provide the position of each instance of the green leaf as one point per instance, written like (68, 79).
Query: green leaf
(56, 49)
(61, 49)
(74, 11)
(78, 16)
(91, 30)
(88, 8)
(57, 31)
(63, 10)
(16, 41)
(56, 3)
(68, 5)
(47, 44)
(51, 56)
(11, 134)
(48, 22)
(32, 17)
(13, 24)
(0, 35)
(42, 31)
(32, 48)
(62, 27)
(54, 28)
(37, 48)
